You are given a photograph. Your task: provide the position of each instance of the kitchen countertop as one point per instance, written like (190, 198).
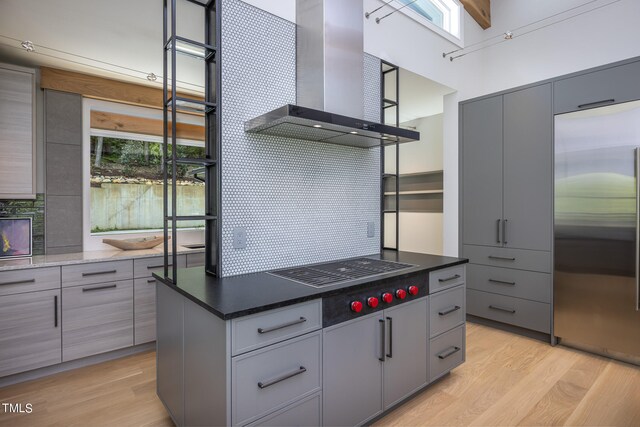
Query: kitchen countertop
(84, 257)
(236, 296)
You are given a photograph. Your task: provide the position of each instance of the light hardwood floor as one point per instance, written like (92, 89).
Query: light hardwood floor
(506, 380)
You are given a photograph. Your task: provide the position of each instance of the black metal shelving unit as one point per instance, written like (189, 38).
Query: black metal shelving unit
(389, 101)
(208, 52)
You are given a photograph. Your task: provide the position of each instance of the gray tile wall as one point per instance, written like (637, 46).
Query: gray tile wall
(63, 172)
(299, 201)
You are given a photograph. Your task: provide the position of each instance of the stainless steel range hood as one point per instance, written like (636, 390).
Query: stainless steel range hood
(329, 82)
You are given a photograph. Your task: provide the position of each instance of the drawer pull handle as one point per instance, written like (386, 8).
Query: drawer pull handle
(448, 279)
(97, 288)
(96, 273)
(502, 258)
(151, 281)
(449, 352)
(449, 310)
(390, 354)
(284, 325)
(502, 282)
(151, 267)
(497, 307)
(281, 378)
(382, 340)
(593, 104)
(18, 282)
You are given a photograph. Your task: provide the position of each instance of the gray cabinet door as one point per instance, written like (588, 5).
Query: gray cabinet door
(482, 171)
(405, 369)
(144, 310)
(527, 168)
(29, 331)
(352, 371)
(96, 319)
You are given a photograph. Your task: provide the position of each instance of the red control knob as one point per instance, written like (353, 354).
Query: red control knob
(401, 294)
(413, 290)
(387, 297)
(356, 306)
(372, 302)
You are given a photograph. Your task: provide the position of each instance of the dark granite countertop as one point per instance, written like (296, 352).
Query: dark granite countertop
(236, 296)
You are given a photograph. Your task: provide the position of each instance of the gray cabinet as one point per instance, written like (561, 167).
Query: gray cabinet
(405, 370)
(29, 331)
(506, 169)
(528, 169)
(96, 318)
(144, 310)
(481, 129)
(597, 88)
(17, 133)
(352, 371)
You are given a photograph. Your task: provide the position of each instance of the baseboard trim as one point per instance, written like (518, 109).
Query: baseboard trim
(74, 364)
(541, 336)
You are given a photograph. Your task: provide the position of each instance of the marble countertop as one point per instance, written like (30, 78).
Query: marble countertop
(84, 257)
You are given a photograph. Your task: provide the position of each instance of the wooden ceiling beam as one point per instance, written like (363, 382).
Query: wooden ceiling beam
(480, 10)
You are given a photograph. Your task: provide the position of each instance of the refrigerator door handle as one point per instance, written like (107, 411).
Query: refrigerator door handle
(637, 302)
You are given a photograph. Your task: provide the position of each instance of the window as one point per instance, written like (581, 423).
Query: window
(122, 173)
(442, 16)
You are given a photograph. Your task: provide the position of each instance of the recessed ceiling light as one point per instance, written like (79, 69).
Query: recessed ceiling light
(152, 77)
(385, 137)
(317, 126)
(353, 132)
(28, 46)
(508, 35)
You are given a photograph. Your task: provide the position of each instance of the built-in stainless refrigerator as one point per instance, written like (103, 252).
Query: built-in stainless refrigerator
(596, 229)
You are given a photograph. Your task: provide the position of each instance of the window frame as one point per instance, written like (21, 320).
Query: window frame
(93, 241)
(440, 4)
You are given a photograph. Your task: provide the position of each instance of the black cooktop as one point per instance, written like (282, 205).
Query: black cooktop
(330, 273)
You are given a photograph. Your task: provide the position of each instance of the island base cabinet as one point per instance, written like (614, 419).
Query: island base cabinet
(405, 370)
(29, 331)
(144, 311)
(352, 374)
(305, 413)
(96, 319)
(446, 352)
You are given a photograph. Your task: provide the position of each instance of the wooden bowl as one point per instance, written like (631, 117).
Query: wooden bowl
(135, 244)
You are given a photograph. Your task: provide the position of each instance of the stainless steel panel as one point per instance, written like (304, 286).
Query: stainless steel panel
(595, 297)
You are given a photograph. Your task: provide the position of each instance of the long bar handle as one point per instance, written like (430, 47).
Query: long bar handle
(498, 230)
(450, 352)
(97, 288)
(390, 354)
(18, 282)
(96, 273)
(448, 279)
(502, 282)
(593, 104)
(497, 307)
(55, 311)
(282, 326)
(449, 310)
(151, 280)
(637, 302)
(502, 258)
(382, 340)
(281, 378)
(504, 231)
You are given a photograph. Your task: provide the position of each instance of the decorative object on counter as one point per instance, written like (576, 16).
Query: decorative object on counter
(136, 243)
(15, 237)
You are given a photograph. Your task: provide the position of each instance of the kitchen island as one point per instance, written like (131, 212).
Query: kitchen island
(258, 349)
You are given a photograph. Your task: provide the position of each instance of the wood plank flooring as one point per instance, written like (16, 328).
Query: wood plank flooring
(507, 380)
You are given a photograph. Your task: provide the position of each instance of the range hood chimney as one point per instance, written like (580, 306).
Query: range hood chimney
(329, 82)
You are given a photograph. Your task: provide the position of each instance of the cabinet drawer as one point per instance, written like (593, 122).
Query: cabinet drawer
(258, 330)
(271, 378)
(96, 319)
(619, 84)
(446, 352)
(144, 303)
(510, 258)
(446, 278)
(446, 310)
(514, 311)
(29, 280)
(145, 267)
(99, 272)
(306, 412)
(195, 260)
(506, 281)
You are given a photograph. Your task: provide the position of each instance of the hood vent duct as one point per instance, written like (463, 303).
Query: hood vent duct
(329, 82)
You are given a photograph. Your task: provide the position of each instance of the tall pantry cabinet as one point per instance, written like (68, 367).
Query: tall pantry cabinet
(506, 224)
